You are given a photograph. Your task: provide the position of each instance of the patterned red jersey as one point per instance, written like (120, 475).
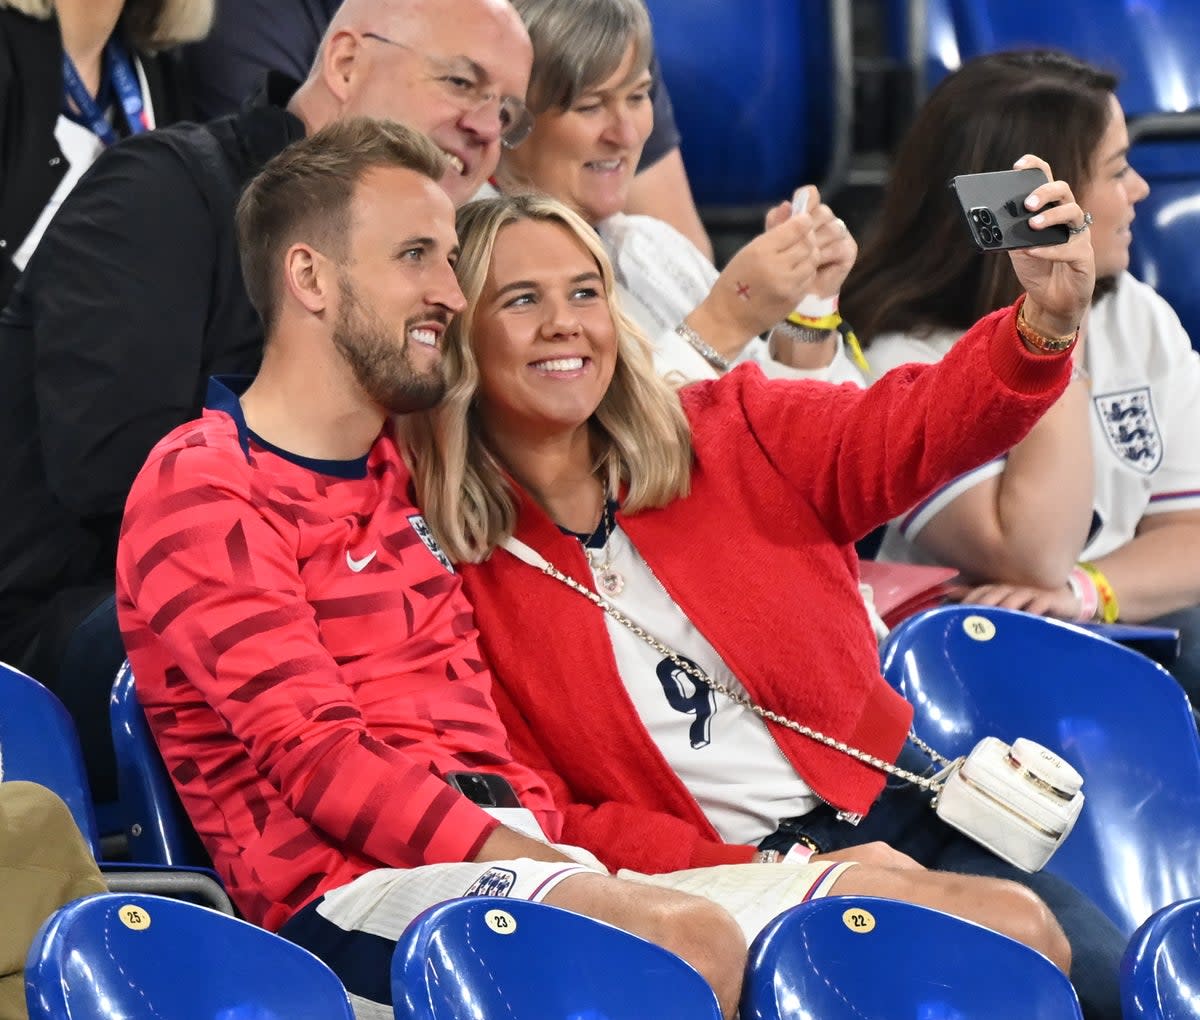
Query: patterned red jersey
(308, 663)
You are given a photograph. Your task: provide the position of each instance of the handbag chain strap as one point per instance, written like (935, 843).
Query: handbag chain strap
(715, 685)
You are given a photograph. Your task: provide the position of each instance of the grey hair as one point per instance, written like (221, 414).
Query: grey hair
(578, 43)
(152, 24)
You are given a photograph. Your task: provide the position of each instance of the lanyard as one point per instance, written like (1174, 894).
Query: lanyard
(129, 91)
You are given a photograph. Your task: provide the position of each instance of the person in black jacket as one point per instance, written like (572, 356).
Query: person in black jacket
(76, 75)
(134, 298)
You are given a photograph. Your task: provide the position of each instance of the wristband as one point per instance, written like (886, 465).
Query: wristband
(1109, 609)
(819, 322)
(856, 351)
(1084, 588)
(798, 854)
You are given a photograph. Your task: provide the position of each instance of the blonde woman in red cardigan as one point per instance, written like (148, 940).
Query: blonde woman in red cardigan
(722, 520)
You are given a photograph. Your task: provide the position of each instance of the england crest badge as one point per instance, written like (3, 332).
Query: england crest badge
(425, 534)
(1131, 427)
(493, 882)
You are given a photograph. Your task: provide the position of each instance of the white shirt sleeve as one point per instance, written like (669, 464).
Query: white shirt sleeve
(1176, 483)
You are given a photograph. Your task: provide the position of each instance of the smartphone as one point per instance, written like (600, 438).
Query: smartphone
(994, 207)
(484, 788)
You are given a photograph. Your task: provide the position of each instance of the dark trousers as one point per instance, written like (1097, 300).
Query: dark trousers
(903, 819)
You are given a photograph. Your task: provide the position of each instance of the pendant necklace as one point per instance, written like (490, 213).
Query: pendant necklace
(608, 580)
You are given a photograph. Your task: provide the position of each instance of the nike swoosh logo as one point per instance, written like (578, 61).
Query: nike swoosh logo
(358, 565)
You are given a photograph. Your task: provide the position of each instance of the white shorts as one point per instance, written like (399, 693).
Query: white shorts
(354, 928)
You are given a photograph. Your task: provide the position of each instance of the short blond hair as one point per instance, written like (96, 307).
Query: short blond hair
(152, 24)
(642, 436)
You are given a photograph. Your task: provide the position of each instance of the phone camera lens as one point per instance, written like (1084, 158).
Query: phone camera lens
(987, 237)
(986, 217)
(997, 235)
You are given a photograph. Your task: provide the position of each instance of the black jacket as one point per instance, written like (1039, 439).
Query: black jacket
(31, 91)
(131, 301)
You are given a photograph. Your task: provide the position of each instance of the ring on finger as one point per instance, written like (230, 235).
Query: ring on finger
(1087, 222)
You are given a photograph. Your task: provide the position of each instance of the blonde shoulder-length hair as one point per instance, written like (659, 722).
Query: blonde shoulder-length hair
(640, 435)
(152, 24)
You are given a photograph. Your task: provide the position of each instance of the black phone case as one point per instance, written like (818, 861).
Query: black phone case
(994, 207)
(484, 788)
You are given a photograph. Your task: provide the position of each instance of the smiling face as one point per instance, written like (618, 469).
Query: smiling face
(1114, 189)
(427, 69)
(396, 289)
(544, 337)
(586, 156)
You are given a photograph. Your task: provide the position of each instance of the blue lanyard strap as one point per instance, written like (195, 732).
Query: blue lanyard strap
(129, 92)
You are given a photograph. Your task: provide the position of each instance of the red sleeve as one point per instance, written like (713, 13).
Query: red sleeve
(862, 457)
(208, 585)
(621, 835)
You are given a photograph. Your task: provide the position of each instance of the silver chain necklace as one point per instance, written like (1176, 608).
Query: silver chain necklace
(610, 581)
(530, 556)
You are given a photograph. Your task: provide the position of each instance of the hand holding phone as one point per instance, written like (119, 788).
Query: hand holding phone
(993, 205)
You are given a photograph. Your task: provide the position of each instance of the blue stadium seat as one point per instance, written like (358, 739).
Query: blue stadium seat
(1166, 151)
(1119, 718)
(1152, 45)
(1160, 971)
(762, 93)
(156, 824)
(128, 955)
(40, 744)
(487, 956)
(863, 958)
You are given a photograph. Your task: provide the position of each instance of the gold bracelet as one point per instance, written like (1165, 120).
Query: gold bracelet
(1045, 344)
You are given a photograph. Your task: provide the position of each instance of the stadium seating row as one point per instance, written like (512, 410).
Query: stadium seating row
(790, 68)
(1028, 676)
(840, 958)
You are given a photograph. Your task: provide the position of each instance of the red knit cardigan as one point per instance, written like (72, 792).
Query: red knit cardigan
(760, 556)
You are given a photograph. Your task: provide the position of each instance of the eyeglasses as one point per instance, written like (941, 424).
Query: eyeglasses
(459, 80)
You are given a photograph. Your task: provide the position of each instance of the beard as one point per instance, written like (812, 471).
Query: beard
(378, 356)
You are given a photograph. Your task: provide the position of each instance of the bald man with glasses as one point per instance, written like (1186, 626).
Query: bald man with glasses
(135, 297)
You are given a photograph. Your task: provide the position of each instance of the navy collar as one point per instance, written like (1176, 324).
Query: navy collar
(598, 539)
(223, 395)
